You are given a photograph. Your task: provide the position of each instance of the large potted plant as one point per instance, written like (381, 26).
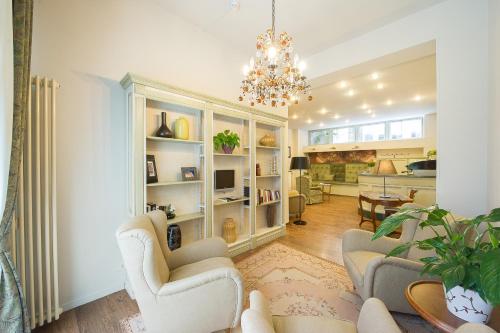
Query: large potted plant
(466, 257)
(226, 140)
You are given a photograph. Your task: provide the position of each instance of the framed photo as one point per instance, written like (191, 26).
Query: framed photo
(189, 173)
(151, 173)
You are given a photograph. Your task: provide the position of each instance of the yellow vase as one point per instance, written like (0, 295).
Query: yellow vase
(181, 129)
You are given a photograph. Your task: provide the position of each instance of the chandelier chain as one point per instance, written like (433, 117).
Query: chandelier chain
(273, 16)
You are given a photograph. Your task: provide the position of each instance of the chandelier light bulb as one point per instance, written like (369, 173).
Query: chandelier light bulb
(271, 52)
(246, 69)
(302, 66)
(252, 63)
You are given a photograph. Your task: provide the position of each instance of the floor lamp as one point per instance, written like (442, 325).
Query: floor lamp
(300, 163)
(385, 168)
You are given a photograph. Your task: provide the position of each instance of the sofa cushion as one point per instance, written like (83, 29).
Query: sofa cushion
(199, 267)
(301, 324)
(355, 263)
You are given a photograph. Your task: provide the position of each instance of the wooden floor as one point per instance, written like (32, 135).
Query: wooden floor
(321, 237)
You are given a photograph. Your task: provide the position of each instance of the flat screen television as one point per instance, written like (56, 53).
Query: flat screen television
(224, 180)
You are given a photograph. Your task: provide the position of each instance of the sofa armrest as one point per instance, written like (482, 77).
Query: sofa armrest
(197, 251)
(361, 240)
(252, 321)
(375, 318)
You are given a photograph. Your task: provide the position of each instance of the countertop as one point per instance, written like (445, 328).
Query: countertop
(394, 176)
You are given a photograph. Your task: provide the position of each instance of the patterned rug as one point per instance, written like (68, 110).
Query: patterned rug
(297, 283)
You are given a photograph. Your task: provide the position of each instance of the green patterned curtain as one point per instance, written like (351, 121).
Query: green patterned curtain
(13, 312)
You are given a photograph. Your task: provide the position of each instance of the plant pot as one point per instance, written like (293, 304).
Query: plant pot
(466, 304)
(227, 149)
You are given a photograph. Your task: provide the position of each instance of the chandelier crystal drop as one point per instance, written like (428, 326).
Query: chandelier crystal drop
(274, 77)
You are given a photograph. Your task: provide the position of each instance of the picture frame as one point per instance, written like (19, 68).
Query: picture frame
(151, 172)
(189, 173)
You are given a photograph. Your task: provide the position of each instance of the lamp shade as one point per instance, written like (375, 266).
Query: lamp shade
(299, 163)
(385, 167)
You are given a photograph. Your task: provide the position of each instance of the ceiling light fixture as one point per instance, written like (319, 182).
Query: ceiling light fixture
(275, 76)
(388, 102)
(321, 124)
(342, 84)
(374, 76)
(380, 86)
(350, 92)
(347, 121)
(336, 116)
(373, 115)
(418, 98)
(295, 116)
(364, 106)
(323, 111)
(309, 121)
(369, 111)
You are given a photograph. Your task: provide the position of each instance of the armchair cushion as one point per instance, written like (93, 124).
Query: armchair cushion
(199, 267)
(197, 251)
(374, 318)
(301, 324)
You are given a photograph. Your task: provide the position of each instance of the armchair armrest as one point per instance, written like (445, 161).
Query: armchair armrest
(197, 251)
(375, 318)
(388, 278)
(361, 240)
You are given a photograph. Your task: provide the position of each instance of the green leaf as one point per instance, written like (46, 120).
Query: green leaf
(453, 276)
(428, 260)
(490, 276)
(399, 249)
(432, 243)
(392, 223)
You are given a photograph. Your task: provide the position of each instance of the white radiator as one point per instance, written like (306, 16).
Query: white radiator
(34, 231)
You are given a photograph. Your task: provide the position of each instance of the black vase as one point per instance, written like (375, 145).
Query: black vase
(164, 131)
(174, 237)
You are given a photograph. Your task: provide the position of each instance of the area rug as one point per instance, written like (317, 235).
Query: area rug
(297, 283)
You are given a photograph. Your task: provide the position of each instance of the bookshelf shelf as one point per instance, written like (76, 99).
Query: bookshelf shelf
(158, 139)
(220, 203)
(174, 183)
(185, 218)
(269, 203)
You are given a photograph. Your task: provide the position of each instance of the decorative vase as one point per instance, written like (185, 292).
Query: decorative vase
(174, 237)
(227, 149)
(229, 230)
(270, 214)
(257, 169)
(466, 304)
(181, 129)
(268, 141)
(164, 131)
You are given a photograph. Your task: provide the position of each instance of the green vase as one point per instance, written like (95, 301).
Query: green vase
(181, 129)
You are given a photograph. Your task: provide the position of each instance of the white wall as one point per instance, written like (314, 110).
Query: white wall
(6, 95)
(88, 46)
(460, 28)
(494, 140)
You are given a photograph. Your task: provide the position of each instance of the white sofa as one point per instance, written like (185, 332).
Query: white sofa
(374, 318)
(193, 289)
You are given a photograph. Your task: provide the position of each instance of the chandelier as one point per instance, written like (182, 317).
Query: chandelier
(274, 77)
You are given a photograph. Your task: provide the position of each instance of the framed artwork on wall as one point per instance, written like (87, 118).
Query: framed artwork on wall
(151, 173)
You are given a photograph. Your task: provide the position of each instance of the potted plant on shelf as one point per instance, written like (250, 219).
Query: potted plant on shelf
(226, 140)
(466, 257)
(371, 166)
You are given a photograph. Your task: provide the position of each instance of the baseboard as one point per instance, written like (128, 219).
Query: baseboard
(92, 297)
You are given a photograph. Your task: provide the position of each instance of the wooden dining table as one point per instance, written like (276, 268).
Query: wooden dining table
(375, 199)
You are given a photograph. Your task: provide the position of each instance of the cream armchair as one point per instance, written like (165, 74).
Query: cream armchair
(193, 289)
(313, 194)
(296, 204)
(374, 275)
(374, 318)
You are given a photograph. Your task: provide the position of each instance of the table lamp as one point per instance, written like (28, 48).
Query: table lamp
(385, 168)
(300, 163)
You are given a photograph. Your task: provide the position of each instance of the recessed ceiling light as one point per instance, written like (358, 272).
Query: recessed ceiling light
(373, 115)
(309, 121)
(388, 102)
(342, 84)
(417, 98)
(321, 124)
(350, 92)
(364, 106)
(337, 116)
(347, 121)
(295, 116)
(369, 111)
(323, 111)
(380, 86)
(374, 76)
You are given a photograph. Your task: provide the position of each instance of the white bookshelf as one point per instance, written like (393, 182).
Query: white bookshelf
(198, 212)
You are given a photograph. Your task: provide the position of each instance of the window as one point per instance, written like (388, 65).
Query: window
(372, 132)
(389, 130)
(405, 129)
(320, 137)
(343, 135)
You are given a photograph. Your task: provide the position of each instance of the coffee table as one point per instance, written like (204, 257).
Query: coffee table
(325, 186)
(427, 298)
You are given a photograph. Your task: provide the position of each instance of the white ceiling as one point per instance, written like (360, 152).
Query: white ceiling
(332, 106)
(315, 24)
